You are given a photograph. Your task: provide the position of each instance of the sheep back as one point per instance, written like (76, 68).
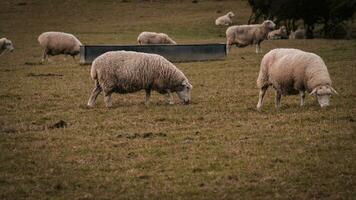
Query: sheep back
(298, 34)
(225, 19)
(280, 33)
(245, 35)
(291, 70)
(59, 43)
(2, 42)
(154, 38)
(127, 71)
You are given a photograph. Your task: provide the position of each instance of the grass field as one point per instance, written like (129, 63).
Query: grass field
(218, 147)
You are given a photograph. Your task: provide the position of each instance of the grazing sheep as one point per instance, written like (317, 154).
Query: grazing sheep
(245, 35)
(291, 72)
(5, 45)
(127, 72)
(225, 20)
(154, 38)
(298, 34)
(55, 43)
(280, 33)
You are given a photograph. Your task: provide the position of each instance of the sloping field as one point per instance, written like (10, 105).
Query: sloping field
(218, 147)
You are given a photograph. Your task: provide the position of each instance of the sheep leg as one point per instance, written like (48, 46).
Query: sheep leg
(147, 97)
(302, 97)
(169, 97)
(263, 91)
(44, 56)
(96, 91)
(278, 99)
(108, 100)
(258, 48)
(2, 52)
(228, 47)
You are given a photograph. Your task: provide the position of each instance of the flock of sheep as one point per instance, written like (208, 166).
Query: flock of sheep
(289, 71)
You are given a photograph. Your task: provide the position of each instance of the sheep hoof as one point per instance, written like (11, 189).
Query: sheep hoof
(259, 108)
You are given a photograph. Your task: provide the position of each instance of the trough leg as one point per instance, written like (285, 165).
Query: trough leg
(96, 91)
(147, 97)
(302, 97)
(108, 100)
(278, 99)
(169, 97)
(263, 91)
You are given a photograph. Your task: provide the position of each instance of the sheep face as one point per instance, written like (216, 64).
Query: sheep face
(283, 30)
(8, 45)
(230, 14)
(184, 92)
(323, 94)
(269, 24)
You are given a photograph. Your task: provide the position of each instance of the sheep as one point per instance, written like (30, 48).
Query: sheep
(291, 72)
(244, 35)
(298, 34)
(280, 33)
(225, 20)
(55, 43)
(154, 38)
(5, 45)
(128, 72)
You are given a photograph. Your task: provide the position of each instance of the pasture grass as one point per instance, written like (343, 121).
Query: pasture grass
(218, 147)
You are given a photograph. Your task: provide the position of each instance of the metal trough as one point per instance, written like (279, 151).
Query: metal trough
(174, 53)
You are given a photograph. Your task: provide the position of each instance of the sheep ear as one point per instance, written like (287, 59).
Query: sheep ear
(187, 84)
(313, 92)
(332, 89)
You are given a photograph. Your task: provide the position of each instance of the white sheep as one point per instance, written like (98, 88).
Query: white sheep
(154, 38)
(244, 35)
(55, 43)
(291, 72)
(127, 72)
(225, 20)
(280, 33)
(5, 45)
(300, 33)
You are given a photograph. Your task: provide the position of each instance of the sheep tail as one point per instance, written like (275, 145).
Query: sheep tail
(266, 62)
(93, 73)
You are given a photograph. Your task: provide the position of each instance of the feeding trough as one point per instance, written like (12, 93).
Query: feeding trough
(173, 53)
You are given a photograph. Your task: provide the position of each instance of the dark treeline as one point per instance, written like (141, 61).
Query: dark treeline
(329, 15)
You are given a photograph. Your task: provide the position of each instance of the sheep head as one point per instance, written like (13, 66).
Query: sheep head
(183, 91)
(269, 24)
(230, 14)
(323, 94)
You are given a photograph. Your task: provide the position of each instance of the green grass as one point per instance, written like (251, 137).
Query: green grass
(219, 147)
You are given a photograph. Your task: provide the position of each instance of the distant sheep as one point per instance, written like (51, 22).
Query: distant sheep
(298, 34)
(154, 38)
(280, 33)
(5, 45)
(245, 35)
(291, 72)
(127, 72)
(225, 20)
(55, 43)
